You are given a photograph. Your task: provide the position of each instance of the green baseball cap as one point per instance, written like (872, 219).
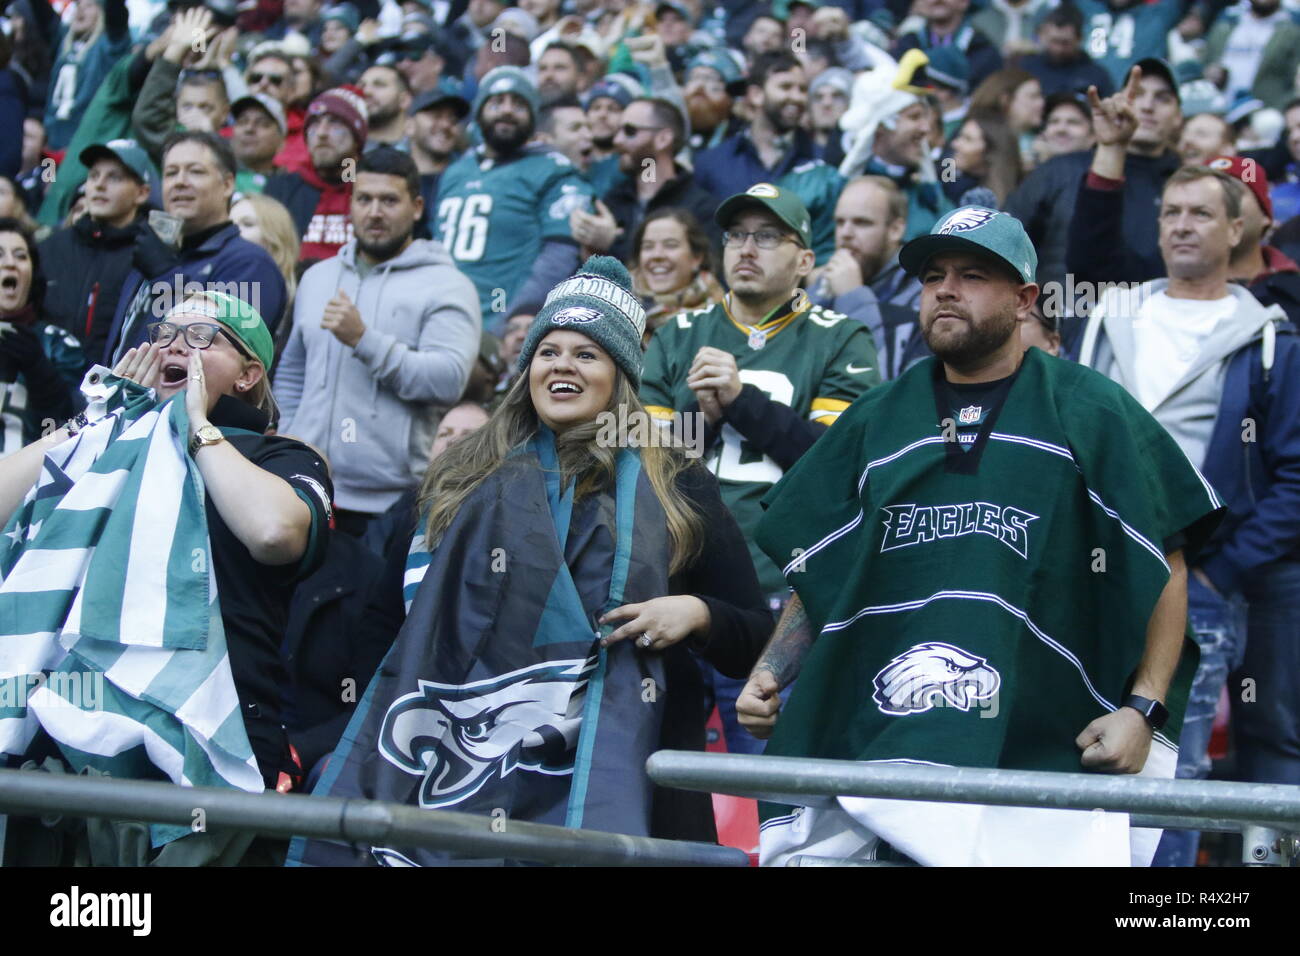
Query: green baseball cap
(244, 321)
(125, 151)
(975, 228)
(782, 203)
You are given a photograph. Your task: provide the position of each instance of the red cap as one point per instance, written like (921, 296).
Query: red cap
(348, 104)
(1249, 173)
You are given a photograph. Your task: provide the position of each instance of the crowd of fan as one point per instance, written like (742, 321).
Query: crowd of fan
(396, 186)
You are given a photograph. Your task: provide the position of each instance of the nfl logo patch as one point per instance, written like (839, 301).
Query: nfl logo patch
(969, 415)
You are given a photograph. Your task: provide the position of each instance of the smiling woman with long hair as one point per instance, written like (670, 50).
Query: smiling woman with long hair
(569, 563)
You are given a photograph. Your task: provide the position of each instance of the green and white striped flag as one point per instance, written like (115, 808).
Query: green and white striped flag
(110, 626)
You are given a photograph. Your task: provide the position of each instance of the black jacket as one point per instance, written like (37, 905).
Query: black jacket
(1115, 234)
(681, 191)
(342, 620)
(1073, 77)
(1045, 204)
(298, 196)
(86, 265)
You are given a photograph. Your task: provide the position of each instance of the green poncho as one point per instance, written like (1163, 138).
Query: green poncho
(977, 608)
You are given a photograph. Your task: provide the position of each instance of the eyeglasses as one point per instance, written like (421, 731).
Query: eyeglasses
(631, 129)
(198, 335)
(763, 238)
(275, 79)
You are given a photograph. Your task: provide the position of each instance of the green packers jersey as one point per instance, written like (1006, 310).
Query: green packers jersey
(494, 216)
(815, 361)
(819, 186)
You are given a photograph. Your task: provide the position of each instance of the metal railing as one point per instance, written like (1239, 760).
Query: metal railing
(370, 822)
(1267, 815)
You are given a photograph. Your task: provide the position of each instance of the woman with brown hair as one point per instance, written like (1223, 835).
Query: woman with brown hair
(673, 266)
(1016, 96)
(569, 563)
(984, 153)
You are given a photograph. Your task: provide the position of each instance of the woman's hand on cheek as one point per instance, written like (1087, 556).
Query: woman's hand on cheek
(196, 393)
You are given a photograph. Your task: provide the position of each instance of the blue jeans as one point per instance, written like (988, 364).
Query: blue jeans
(1264, 692)
(1219, 627)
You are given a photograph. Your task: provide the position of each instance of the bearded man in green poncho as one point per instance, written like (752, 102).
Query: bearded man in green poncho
(987, 556)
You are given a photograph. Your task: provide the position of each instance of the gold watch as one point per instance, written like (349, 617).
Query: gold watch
(206, 435)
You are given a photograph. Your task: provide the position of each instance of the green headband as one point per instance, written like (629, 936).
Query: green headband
(242, 320)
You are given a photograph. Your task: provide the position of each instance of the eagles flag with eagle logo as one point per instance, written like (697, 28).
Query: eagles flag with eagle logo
(496, 697)
(978, 608)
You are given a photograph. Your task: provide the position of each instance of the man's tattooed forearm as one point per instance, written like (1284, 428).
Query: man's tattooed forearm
(785, 652)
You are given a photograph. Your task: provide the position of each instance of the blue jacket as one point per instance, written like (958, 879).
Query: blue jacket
(1259, 481)
(733, 165)
(223, 262)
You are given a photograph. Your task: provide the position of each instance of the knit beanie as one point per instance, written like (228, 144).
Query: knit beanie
(345, 103)
(507, 79)
(598, 302)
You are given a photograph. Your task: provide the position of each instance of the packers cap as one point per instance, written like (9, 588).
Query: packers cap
(782, 203)
(975, 229)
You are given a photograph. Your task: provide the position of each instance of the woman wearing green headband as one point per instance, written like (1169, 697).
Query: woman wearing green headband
(267, 503)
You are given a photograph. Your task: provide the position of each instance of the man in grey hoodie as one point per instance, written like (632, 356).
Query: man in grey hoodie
(384, 336)
(1218, 370)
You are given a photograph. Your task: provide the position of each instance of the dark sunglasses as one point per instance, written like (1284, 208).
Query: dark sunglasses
(275, 79)
(198, 335)
(631, 129)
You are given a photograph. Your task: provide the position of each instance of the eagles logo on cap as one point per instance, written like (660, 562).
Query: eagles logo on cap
(763, 191)
(965, 219)
(575, 315)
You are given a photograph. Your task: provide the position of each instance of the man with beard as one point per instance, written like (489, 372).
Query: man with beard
(319, 198)
(649, 138)
(503, 207)
(711, 81)
(409, 318)
(558, 74)
(769, 372)
(388, 97)
(777, 149)
(942, 541)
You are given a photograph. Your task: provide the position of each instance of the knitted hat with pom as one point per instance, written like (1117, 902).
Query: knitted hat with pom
(598, 302)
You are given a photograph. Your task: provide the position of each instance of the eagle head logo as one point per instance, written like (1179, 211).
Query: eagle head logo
(457, 737)
(934, 675)
(964, 220)
(576, 315)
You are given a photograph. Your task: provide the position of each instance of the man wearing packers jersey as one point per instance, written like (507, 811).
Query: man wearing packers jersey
(503, 208)
(768, 370)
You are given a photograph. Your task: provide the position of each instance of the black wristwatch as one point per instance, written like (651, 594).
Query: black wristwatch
(1155, 712)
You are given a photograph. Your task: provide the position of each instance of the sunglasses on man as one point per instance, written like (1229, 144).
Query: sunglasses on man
(275, 79)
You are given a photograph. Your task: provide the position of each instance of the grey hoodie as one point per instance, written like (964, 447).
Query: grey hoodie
(373, 410)
(1190, 410)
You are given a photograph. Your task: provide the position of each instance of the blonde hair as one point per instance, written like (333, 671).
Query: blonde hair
(459, 470)
(279, 238)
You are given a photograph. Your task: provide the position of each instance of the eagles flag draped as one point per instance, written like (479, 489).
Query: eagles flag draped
(978, 608)
(496, 697)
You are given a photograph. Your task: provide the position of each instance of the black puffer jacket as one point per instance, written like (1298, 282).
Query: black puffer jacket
(85, 266)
